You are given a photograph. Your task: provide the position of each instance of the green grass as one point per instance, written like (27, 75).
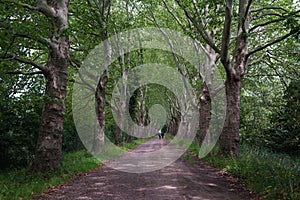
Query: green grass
(136, 142)
(272, 175)
(21, 184)
(189, 158)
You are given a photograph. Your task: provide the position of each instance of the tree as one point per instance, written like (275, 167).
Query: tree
(103, 14)
(235, 58)
(48, 154)
(268, 76)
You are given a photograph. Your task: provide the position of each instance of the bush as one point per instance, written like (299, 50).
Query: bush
(19, 124)
(71, 140)
(284, 135)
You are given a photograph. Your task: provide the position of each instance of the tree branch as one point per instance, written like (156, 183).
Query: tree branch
(266, 15)
(226, 36)
(244, 20)
(269, 8)
(24, 73)
(24, 5)
(281, 77)
(248, 8)
(296, 30)
(42, 7)
(178, 21)
(38, 39)
(25, 61)
(199, 27)
(257, 61)
(45, 8)
(271, 56)
(214, 92)
(76, 63)
(267, 23)
(173, 15)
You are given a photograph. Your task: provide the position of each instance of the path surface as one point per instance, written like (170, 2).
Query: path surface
(180, 180)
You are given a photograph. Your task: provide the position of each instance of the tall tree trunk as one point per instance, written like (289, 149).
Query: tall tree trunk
(121, 108)
(100, 94)
(119, 134)
(139, 113)
(205, 115)
(229, 140)
(49, 146)
(99, 135)
(124, 61)
(205, 96)
(230, 137)
(173, 125)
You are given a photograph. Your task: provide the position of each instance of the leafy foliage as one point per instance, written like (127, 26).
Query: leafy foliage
(284, 134)
(20, 110)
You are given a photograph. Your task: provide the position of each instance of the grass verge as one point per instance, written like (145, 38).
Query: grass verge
(20, 184)
(136, 142)
(272, 175)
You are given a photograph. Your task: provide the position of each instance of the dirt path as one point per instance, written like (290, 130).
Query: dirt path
(180, 180)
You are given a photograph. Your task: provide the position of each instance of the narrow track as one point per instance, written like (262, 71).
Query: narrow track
(180, 180)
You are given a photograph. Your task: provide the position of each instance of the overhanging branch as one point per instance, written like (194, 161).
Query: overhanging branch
(24, 5)
(24, 73)
(173, 15)
(296, 30)
(42, 7)
(25, 61)
(38, 39)
(199, 27)
(248, 8)
(226, 36)
(267, 23)
(269, 8)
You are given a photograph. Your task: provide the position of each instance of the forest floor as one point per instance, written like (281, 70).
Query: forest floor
(180, 180)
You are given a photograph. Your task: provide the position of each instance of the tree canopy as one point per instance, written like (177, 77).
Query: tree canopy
(253, 44)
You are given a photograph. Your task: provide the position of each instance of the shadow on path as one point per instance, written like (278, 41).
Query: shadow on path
(179, 180)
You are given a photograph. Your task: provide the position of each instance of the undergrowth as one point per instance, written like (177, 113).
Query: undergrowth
(272, 175)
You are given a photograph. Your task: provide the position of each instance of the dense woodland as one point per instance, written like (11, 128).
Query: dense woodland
(254, 44)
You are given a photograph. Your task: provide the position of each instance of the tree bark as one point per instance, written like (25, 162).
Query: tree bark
(173, 125)
(230, 138)
(121, 108)
(205, 96)
(49, 146)
(119, 135)
(121, 118)
(205, 115)
(100, 95)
